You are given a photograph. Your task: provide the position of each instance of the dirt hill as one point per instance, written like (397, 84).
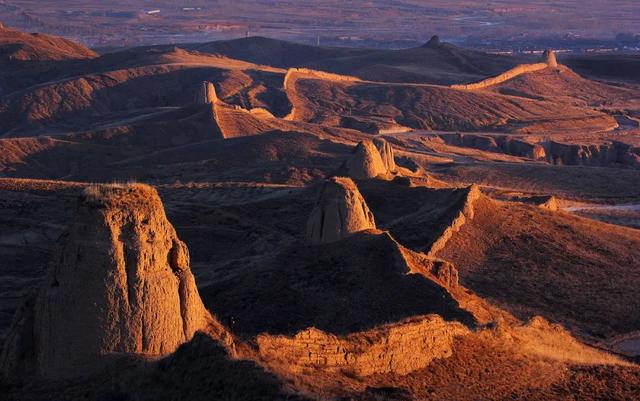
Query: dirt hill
(19, 46)
(587, 284)
(427, 107)
(442, 63)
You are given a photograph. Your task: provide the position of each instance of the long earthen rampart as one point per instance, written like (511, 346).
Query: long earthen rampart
(505, 76)
(465, 214)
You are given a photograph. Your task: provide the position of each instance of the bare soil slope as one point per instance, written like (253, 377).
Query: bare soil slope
(579, 272)
(435, 62)
(435, 108)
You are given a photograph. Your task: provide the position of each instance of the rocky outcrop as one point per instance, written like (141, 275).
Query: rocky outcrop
(339, 211)
(398, 348)
(386, 154)
(367, 162)
(120, 284)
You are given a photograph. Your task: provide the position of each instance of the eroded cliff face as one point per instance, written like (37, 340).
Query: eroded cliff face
(398, 348)
(339, 211)
(605, 154)
(500, 144)
(120, 284)
(386, 154)
(612, 153)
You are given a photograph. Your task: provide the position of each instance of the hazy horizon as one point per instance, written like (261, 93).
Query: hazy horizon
(501, 24)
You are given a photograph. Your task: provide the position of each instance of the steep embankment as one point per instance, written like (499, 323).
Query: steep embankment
(95, 98)
(465, 214)
(426, 222)
(603, 154)
(528, 259)
(496, 143)
(597, 152)
(579, 272)
(336, 288)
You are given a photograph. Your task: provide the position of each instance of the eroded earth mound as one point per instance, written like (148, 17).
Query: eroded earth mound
(120, 284)
(339, 212)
